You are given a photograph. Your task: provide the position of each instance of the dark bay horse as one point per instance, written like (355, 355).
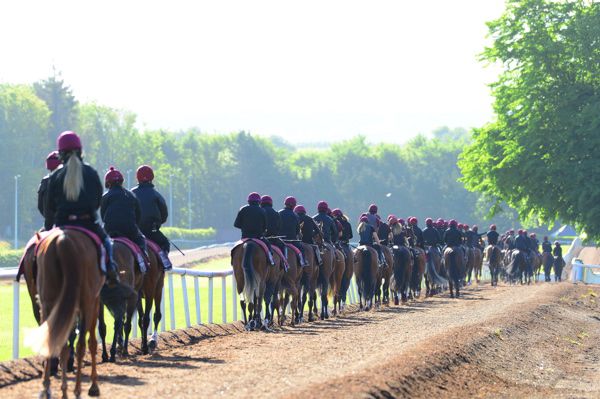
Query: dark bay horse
(250, 268)
(290, 283)
(493, 254)
(151, 292)
(519, 269)
(417, 273)
(365, 271)
(548, 262)
(434, 281)
(335, 281)
(130, 276)
(384, 275)
(348, 273)
(558, 264)
(454, 262)
(402, 269)
(69, 281)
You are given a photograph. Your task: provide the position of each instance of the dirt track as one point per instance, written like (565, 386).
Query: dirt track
(535, 341)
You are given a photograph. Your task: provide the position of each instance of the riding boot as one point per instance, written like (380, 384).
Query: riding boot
(112, 270)
(303, 261)
(268, 243)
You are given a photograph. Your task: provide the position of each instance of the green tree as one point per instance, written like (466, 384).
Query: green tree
(61, 103)
(541, 153)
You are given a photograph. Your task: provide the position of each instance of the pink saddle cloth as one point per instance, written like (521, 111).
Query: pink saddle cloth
(136, 250)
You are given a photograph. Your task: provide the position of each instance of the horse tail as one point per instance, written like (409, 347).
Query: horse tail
(514, 266)
(432, 273)
(250, 278)
(454, 272)
(414, 278)
(493, 255)
(73, 183)
(366, 274)
(49, 338)
(400, 262)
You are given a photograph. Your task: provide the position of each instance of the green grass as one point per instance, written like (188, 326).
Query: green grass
(27, 321)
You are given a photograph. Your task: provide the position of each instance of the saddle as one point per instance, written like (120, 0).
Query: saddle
(261, 244)
(298, 253)
(141, 261)
(160, 254)
(39, 238)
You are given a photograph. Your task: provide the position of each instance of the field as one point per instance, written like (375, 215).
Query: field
(27, 320)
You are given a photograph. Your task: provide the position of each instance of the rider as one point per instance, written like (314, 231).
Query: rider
(52, 162)
(398, 233)
(120, 210)
(431, 237)
(546, 246)
(252, 221)
(309, 230)
(384, 232)
(290, 227)
(154, 212)
(414, 225)
(452, 236)
(368, 235)
(273, 223)
(329, 228)
(73, 196)
(492, 235)
(523, 245)
(373, 220)
(477, 236)
(535, 243)
(346, 233)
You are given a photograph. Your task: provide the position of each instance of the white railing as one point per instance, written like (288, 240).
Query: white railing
(11, 273)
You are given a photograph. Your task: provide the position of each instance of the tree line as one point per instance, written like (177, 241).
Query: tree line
(207, 177)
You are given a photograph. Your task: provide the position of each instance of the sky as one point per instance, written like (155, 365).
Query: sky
(310, 71)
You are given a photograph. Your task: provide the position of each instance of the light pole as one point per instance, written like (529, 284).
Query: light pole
(171, 200)
(17, 211)
(190, 202)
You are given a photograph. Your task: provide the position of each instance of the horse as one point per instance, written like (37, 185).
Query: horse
(129, 276)
(250, 268)
(365, 271)
(69, 281)
(273, 279)
(347, 276)
(558, 265)
(290, 282)
(434, 282)
(335, 280)
(548, 262)
(470, 263)
(519, 267)
(477, 263)
(454, 262)
(402, 270)
(494, 258)
(325, 271)
(536, 265)
(151, 292)
(308, 282)
(384, 275)
(418, 271)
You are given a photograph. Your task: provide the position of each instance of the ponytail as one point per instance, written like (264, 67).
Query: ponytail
(397, 229)
(361, 227)
(73, 183)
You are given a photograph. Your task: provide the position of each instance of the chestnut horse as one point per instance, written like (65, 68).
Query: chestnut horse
(69, 281)
(250, 269)
(129, 276)
(418, 270)
(454, 262)
(290, 284)
(365, 271)
(335, 281)
(384, 275)
(152, 287)
(308, 282)
(477, 263)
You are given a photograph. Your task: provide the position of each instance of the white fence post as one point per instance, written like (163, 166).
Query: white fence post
(210, 300)
(163, 319)
(171, 301)
(224, 299)
(197, 293)
(234, 298)
(186, 306)
(134, 321)
(15, 351)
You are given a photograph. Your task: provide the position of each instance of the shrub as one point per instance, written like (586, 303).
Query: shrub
(10, 257)
(176, 233)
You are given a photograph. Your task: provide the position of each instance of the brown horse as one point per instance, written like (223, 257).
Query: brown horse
(348, 272)
(272, 286)
(290, 284)
(68, 285)
(365, 271)
(477, 263)
(418, 272)
(250, 269)
(384, 275)
(335, 280)
(151, 292)
(536, 265)
(494, 258)
(470, 265)
(434, 282)
(325, 271)
(454, 262)
(547, 261)
(402, 269)
(308, 282)
(129, 276)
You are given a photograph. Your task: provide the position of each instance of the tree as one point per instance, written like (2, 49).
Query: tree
(61, 103)
(541, 153)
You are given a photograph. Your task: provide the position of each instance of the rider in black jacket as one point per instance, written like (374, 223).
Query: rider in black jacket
(52, 162)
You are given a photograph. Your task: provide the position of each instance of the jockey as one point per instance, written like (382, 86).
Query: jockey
(252, 221)
(557, 250)
(368, 237)
(73, 196)
(492, 235)
(290, 227)
(384, 232)
(398, 233)
(431, 237)
(52, 162)
(372, 216)
(535, 243)
(452, 236)
(510, 240)
(523, 245)
(413, 221)
(120, 210)
(273, 223)
(329, 228)
(439, 226)
(154, 212)
(336, 238)
(346, 232)
(309, 230)
(546, 246)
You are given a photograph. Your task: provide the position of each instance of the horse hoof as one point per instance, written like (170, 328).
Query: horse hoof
(152, 345)
(104, 358)
(396, 301)
(94, 390)
(112, 359)
(45, 394)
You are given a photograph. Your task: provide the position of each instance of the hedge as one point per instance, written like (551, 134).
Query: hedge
(10, 257)
(176, 233)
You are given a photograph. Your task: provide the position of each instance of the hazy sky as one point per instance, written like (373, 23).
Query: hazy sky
(307, 71)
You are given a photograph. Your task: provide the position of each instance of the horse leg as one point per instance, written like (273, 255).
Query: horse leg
(45, 394)
(80, 352)
(311, 303)
(71, 360)
(284, 305)
(93, 344)
(146, 325)
(157, 318)
(102, 332)
(118, 330)
(64, 354)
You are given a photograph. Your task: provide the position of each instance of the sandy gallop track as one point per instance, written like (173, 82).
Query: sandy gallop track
(509, 341)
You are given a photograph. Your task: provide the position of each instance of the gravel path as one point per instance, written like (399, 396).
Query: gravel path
(505, 341)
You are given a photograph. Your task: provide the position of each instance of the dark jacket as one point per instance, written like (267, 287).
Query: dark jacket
(534, 244)
(153, 207)
(557, 251)
(120, 211)
(58, 208)
(522, 243)
(252, 220)
(329, 226)
(452, 237)
(309, 228)
(418, 235)
(546, 247)
(42, 189)
(346, 230)
(492, 237)
(431, 236)
(400, 238)
(273, 221)
(290, 224)
(366, 236)
(383, 233)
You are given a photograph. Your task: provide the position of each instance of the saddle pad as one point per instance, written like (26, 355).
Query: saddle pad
(293, 248)
(277, 250)
(33, 241)
(256, 241)
(136, 250)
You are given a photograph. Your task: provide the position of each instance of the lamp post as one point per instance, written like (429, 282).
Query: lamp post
(17, 211)
(190, 202)
(171, 200)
